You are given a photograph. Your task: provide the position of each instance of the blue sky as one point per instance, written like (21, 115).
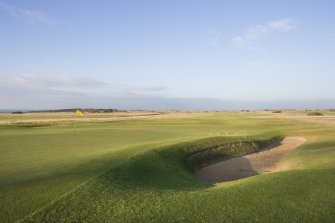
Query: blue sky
(167, 54)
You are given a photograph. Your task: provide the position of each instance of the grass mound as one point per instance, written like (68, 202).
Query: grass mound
(314, 114)
(169, 167)
(155, 185)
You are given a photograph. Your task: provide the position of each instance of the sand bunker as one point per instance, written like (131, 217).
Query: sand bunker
(265, 161)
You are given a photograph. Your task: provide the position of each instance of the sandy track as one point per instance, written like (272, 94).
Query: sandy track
(265, 161)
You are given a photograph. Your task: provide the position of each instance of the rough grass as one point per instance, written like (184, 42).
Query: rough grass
(134, 171)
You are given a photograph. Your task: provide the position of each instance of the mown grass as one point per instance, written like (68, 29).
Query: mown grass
(155, 186)
(134, 171)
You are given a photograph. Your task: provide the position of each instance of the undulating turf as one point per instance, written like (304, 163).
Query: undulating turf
(135, 171)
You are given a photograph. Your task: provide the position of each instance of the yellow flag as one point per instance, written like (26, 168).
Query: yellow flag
(79, 113)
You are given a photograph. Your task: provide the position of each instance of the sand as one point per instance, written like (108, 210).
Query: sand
(263, 162)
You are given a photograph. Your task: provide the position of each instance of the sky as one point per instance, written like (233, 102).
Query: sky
(167, 54)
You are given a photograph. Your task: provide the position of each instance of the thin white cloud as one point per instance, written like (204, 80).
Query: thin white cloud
(28, 84)
(283, 25)
(152, 89)
(31, 16)
(55, 81)
(256, 32)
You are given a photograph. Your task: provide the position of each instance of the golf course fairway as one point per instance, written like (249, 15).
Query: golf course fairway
(139, 167)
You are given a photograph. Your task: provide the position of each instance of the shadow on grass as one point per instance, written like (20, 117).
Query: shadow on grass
(151, 171)
(166, 168)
